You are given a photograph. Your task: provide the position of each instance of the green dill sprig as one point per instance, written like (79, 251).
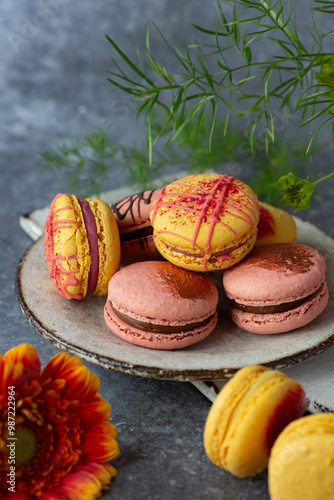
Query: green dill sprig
(82, 163)
(297, 77)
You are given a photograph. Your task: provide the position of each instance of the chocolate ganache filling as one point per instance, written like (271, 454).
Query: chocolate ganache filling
(91, 230)
(272, 309)
(154, 328)
(136, 234)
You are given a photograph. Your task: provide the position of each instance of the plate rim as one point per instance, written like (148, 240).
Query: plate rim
(156, 372)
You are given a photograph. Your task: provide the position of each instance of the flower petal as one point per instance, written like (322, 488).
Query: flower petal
(80, 382)
(84, 483)
(99, 445)
(97, 410)
(21, 363)
(11, 375)
(59, 365)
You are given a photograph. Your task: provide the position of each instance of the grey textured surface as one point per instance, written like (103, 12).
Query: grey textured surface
(53, 86)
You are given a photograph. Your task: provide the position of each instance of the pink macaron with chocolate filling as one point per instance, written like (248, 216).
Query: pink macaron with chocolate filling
(277, 288)
(161, 306)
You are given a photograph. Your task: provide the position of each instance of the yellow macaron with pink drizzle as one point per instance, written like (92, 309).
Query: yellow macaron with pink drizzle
(205, 222)
(81, 246)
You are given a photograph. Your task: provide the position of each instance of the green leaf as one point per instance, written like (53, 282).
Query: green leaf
(129, 62)
(297, 192)
(207, 31)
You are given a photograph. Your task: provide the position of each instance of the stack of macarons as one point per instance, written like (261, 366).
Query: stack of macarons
(257, 422)
(204, 222)
(164, 240)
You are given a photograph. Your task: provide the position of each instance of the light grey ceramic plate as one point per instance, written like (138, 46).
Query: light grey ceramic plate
(79, 328)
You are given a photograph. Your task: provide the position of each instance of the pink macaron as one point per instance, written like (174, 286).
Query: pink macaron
(277, 288)
(161, 306)
(132, 215)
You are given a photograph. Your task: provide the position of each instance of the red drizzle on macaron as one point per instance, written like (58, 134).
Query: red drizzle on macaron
(266, 223)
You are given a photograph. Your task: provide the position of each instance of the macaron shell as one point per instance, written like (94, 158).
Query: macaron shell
(155, 291)
(155, 340)
(285, 321)
(275, 274)
(275, 226)
(214, 264)
(246, 417)
(222, 410)
(301, 464)
(138, 250)
(66, 247)
(259, 419)
(108, 243)
(133, 212)
(204, 214)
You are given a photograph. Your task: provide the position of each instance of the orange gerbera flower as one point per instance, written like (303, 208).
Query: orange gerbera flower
(58, 444)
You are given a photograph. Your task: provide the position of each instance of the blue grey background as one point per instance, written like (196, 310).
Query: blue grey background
(53, 86)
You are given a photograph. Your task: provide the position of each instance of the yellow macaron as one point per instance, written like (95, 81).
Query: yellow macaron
(205, 222)
(247, 416)
(301, 464)
(81, 246)
(275, 226)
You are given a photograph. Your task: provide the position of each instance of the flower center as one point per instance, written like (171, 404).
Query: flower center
(25, 445)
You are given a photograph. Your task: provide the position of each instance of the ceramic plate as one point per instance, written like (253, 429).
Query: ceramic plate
(79, 328)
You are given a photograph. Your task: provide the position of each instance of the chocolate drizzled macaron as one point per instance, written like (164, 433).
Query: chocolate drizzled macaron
(136, 232)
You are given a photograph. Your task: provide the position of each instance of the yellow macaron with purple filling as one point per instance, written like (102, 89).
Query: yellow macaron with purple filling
(301, 464)
(247, 416)
(205, 222)
(81, 246)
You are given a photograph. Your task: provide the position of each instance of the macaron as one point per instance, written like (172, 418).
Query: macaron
(158, 305)
(277, 288)
(135, 230)
(81, 246)
(275, 226)
(247, 416)
(205, 222)
(301, 464)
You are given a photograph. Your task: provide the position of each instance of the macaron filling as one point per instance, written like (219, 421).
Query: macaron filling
(274, 308)
(215, 254)
(92, 237)
(156, 328)
(137, 234)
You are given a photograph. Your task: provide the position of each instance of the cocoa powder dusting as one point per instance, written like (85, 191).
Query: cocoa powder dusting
(183, 283)
(292, 257)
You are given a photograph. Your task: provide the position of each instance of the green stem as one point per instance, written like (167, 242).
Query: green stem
(279, 22)
(323, 178)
